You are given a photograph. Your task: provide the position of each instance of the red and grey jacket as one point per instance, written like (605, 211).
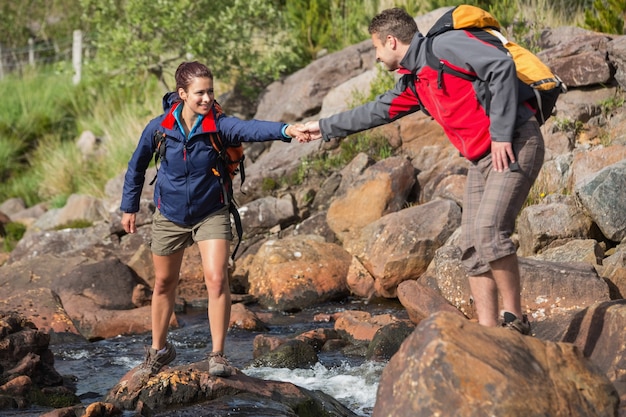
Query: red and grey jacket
(459, 105)
(187, 188)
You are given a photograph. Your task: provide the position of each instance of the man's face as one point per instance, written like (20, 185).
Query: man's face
(386, 51)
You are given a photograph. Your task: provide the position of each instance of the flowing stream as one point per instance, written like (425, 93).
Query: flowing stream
(353, 381)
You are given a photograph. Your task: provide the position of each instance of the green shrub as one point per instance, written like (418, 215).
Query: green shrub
(14, 233)
(269, 184)
(606, 16)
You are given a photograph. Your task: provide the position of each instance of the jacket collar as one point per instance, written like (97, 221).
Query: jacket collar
(208, 123)
(409, 62)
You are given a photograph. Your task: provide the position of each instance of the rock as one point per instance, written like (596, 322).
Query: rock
(388, 340)
(547, 287)
(359, 326)
(586, 165)
(598, 331)
(88, 144)
(242, 318)
(27, 374)
(264, 344)
(44, 309)
(352, 171)
(317, 225)
(580, 60)
(603, 196)
(401, 245)
(336, 100)
(282, 160)
(360, 281)
(558, 219)
(380, 190)
(190, 386)
(327, 192)
(308, 86)
(60, 242)
(617, 56)
(12, 206)
(581, 250)
(318, 338)
(299, 271)
(96, 296)
(267, 212)
(613, 270)
(451, 366)
(421, 301)
(291, 354)
(81, 208)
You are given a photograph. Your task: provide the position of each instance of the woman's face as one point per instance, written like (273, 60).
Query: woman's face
(199, 96)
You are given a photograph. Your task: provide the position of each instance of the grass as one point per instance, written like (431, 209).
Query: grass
(35, 107)
(39, 125)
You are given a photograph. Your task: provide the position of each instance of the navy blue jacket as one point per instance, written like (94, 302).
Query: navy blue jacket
(187, 190)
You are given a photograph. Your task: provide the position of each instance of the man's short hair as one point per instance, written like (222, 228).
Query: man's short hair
(395, 22)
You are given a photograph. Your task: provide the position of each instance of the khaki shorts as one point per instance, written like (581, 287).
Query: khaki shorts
(493, 200)
(169, 237)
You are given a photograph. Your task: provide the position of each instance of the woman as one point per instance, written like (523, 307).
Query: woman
(190, 203)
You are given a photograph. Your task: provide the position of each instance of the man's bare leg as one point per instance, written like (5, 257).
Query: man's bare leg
(507, 276)
(504, 278)
(485, 295)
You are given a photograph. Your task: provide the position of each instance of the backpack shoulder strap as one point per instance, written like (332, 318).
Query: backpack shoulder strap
(227, 187)
(158, 139)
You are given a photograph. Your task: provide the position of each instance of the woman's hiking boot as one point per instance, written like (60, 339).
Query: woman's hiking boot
(155, 360)
(218, 365)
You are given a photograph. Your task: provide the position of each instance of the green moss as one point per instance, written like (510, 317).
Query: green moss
(75, 224)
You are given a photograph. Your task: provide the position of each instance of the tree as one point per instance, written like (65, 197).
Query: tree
(241, 40)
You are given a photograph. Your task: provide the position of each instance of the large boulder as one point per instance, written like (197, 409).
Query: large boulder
(451, 366)
(297, 272)
(598, 331)
(401, 245)
(548, 288)
(189, 390)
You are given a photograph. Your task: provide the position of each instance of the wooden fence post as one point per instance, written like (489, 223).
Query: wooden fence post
(1, 64)
(77, 49)
(31, 52)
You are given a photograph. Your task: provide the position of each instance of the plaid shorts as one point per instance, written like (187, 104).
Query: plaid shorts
(493, 200)
(169, 237)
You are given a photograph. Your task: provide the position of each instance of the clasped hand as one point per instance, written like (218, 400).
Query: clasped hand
(305, 132)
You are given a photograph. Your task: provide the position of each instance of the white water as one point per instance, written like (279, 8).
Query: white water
(98, 366)
(353, 386)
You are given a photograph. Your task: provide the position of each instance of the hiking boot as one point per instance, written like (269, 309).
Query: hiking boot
(218, 365)
(155, 361)
(512, 322)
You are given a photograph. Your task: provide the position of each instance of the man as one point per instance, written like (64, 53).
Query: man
(484, 119)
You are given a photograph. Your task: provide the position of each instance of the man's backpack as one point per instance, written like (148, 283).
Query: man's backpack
(538, 85)
(231, 157)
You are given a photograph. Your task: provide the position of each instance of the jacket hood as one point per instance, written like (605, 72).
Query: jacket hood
(169, 99)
